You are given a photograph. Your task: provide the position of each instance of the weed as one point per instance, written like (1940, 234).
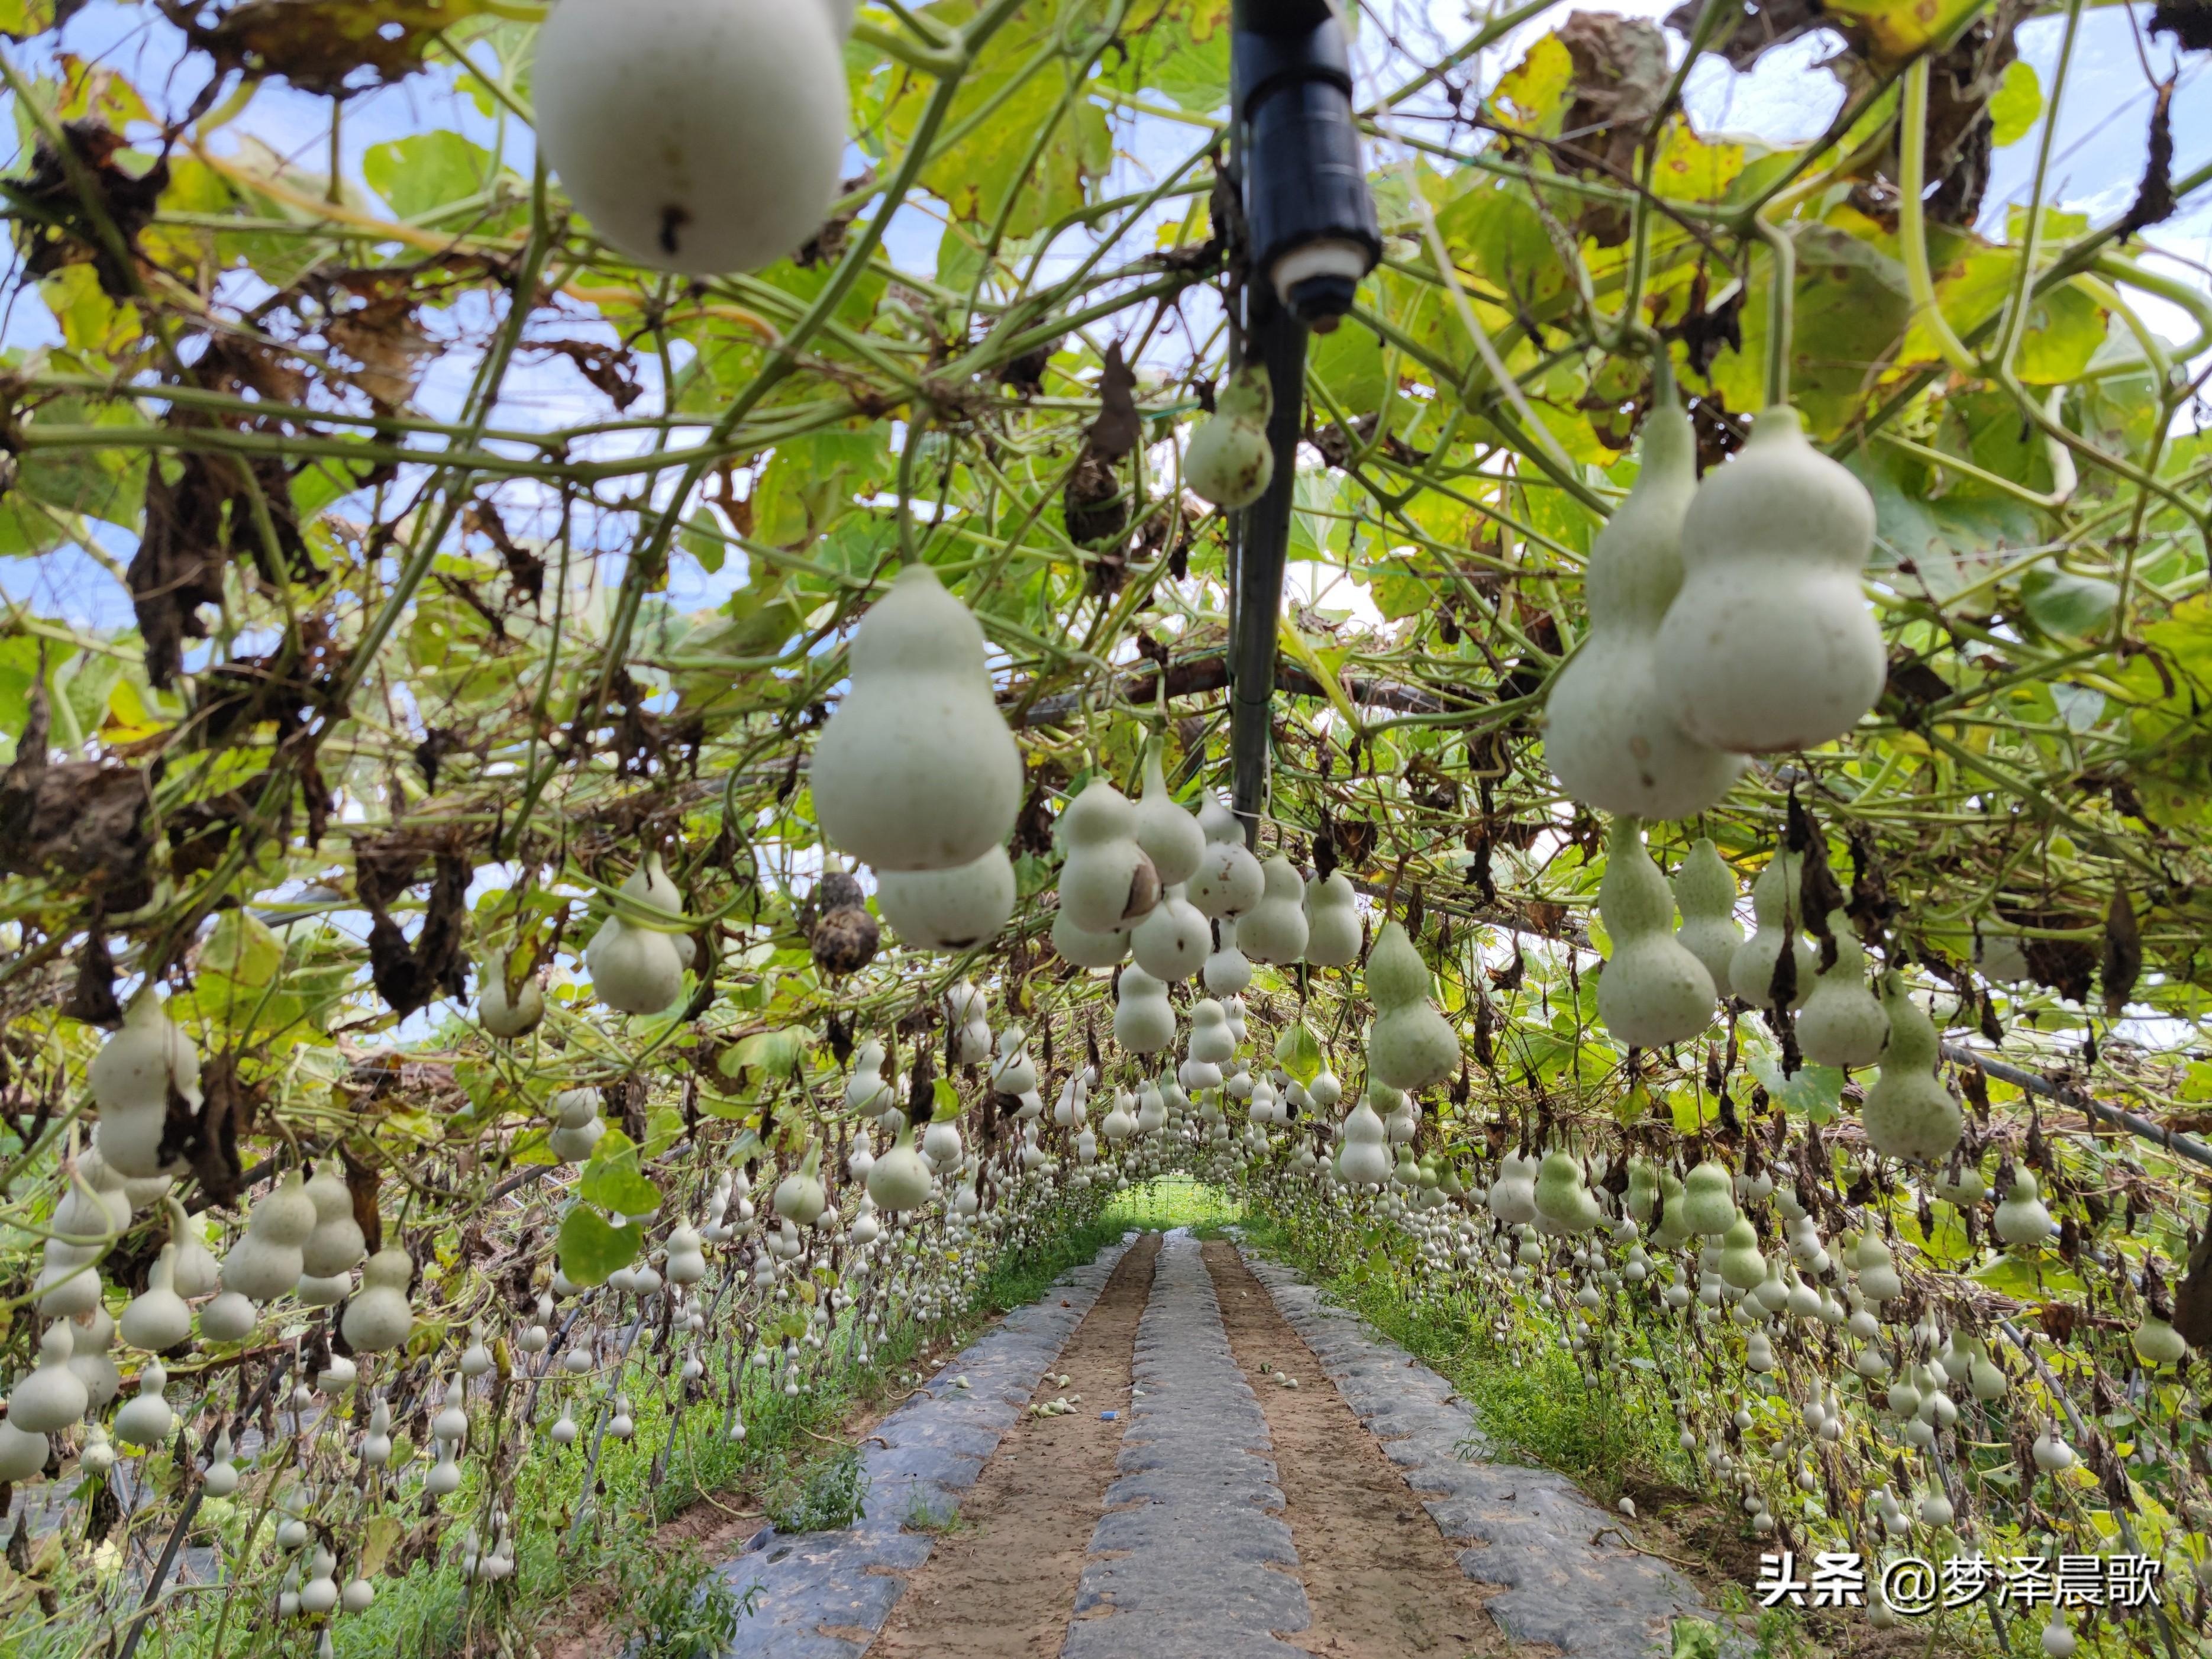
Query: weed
(673, 1605)
(950, 1523)
(826, 1494)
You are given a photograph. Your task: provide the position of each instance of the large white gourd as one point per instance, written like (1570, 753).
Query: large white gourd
(378, 1318)
(916, 771)
(1170, 837)
(1143, 1020)
(1607, 737)
(1173, 942)
(1773, 907)
(52, 1396)
(1411, 1046)
(1333, 931)
(1212, 1043)
(699, 136)
(1769, 646)
(1086, 949)
(900, 1179)
(1229, 882)
(951, 909)
(1705, 892)
(265, 1262)
(1227, 970)
(1653, 992)
(131, 1078)
(158, 1318)
(634, 970)
(1276, 929)
(1106, 884)
(1908, 1113)
(335, 1245)
(1842, 1023)
(1364, 1157)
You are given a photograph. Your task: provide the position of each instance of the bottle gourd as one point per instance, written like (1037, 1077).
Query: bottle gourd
(1228, 460)
(1411, 1045)
(1908, 1113)
(1607, 737)
(1653, 992)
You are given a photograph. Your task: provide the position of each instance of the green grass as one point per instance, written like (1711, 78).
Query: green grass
(1173, 1201)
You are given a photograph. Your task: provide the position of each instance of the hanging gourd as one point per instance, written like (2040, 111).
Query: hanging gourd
(1653, 992)
(91, 1336)
(698, 136)
(508, 1016)
(1708, 1200)
(1276, 929)
(1842, 1023)
(52, 1397)
(1170, 837)
(265, 1262)
(1228, 970)
(1411, 1046)
(2022, 1217)
(917, 770)
(1363, 1160)
(1143, 1020)
(131, 1078)
(378, 1318)
(1705, 892)
(335, 1245)
(1085, 949)
(1106, 884)
(1228, 461)
(1229, 882)
(158, 1319)
(1333, 931)
(901, 1178)
(576, 1128)
(799, 1196)
(1908, 1114)
(634, 970)
(1607, 737)
(968, 1016)
(1768, 645)
(1173, 942)
(145, 1422)
(1562, 1192)
(952, 910)
(844, 937)
(1773, 907)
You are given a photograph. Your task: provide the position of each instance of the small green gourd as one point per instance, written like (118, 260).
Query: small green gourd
(1672, 1229)
(265, 1262)
(1741, 1265)
(1410, 1046)
(378, 1318)
(1563, 1195)
(917, 770)
(1708, 1202)
(1843, 1024)
(1607, 736)
(2157, 1343)
(1653, 992)
(1276, 929)
(1228, 460)
(1773, 905)
(1908, 1114)
(1705, 892)
(954, 909)
(1768, 645)
(52, 1396)
(2022, 1217)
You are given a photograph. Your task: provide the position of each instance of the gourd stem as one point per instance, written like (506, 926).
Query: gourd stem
(1912, 223)
(1781, 312)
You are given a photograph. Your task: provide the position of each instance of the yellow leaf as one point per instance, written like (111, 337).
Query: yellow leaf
(1300, 652)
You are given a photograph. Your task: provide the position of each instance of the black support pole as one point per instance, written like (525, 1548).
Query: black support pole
(1276, 339)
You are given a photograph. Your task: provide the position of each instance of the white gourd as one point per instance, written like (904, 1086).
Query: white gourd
(687, 1261)
(900, 1179)
(1085, 949)
(951, 909)
(1274, 930)
(1364, 1157)
(52, 1396)
(1607, 737)
(576, 1128)
(866, 1090)
(1106, 884)
(2022, 1217)
(1228, 460)
(378, 1318)
(799, 1196)
(1014, 1073)
(1842, 1023)
(1212, 1043)
(698, 136)
(1332, 930)
(940, 1144)
(917, 770)
(1653, 992)
(227, 1318)
(2157, 1343)
(1173, 942)
(91, 1336)
(1773, 907)
(22, 1453)
(1705, 892)
(1170, 837)
(144, 1422)
(1512, 1196)
(1228, 970)
(509, 1018)
(1411, 1046)
(1769, 645)
(634, 970)
(1908, 1114)
(158, 1318)
(1229, 882)
(1143, 1020)
(265, 1262)
(335, 1245)
(131, 1078)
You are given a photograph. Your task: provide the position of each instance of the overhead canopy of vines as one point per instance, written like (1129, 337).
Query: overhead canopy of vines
(396, 570)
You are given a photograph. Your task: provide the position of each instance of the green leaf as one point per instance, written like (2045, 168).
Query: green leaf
(243, 950)
(2018, 101)
(1951, 532)
(948, 1101)
(775, 1053)
(1297, 1051)
(1813, 1091)
(613, 1181)
(2060, 602)
(420, 174)
(591, 1248)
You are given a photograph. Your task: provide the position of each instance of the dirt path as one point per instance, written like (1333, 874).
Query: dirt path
(1000, 1583)
(1381, 1580)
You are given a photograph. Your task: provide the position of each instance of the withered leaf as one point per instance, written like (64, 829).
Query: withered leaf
(2124, 952)
(332, 47)
(1116, 432)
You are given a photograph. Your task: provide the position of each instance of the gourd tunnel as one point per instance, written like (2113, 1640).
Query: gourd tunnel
(1105, 829)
